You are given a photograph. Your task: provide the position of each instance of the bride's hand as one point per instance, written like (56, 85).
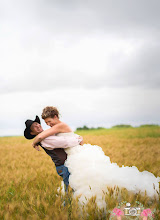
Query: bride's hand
(36, 147)
(81, 139)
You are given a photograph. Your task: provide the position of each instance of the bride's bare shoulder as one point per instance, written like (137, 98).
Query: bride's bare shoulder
(65, 127)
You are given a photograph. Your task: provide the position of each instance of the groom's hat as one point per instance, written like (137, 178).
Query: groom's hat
(28, 125)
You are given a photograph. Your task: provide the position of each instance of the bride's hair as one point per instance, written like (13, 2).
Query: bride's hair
(50, 112)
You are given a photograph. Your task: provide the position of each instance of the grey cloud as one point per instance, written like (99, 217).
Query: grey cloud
(32, 29)
(144, 68)
(82, 17)
(140, 70)
(100, 15)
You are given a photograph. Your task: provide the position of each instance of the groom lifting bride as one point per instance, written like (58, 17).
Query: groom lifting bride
(53, 145)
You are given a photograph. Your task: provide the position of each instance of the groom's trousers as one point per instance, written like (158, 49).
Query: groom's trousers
(64, 173)
(59, 156)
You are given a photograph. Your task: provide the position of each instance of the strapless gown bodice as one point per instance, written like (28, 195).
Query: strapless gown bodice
(70, 150)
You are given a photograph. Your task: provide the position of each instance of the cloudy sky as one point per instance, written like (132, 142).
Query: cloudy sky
(96, 60)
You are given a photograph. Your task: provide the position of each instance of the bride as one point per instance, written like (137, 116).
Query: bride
(91, 171)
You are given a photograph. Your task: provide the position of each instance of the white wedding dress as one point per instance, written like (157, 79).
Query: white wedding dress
(91, 171)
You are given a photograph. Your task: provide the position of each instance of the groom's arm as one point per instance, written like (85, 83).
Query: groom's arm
(53, 142)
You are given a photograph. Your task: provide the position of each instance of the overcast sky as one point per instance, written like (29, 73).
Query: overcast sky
(96, 60)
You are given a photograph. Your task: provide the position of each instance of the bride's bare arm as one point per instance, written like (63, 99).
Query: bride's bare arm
(58, 128)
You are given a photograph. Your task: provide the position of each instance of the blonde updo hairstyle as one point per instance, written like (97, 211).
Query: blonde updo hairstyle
(50, 112)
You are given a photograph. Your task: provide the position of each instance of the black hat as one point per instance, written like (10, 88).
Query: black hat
(28, 125)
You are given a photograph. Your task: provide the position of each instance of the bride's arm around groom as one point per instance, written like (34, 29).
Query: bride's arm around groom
(50, 115)
(58, 128)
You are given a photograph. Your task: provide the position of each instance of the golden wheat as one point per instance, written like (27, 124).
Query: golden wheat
(29, 182)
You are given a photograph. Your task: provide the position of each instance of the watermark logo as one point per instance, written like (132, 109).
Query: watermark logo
(125, 209)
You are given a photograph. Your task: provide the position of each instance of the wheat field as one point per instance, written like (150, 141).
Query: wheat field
(29, 182)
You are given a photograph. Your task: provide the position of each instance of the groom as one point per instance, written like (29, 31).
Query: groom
(53, 146)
